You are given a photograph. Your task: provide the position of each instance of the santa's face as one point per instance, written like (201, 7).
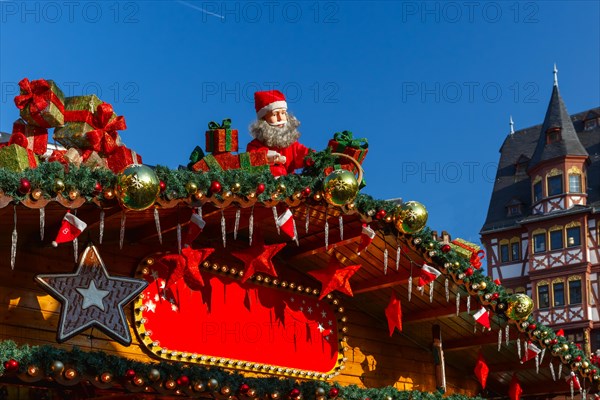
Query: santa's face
(276, 117)
(278, 134)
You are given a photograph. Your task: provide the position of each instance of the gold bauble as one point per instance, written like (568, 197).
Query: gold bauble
(191, 187)
(109, 194)
(59, 185)
(73, 194)
(340, 187)
(236, 187)
(411, 217)
(137, 187)
(36, 194)
(519, 306)
(482, 285)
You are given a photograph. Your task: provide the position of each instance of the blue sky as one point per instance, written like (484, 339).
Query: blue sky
(430, 84)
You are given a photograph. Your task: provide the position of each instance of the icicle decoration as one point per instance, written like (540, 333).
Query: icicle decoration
(385, 261)
(559, 370)
(307, 219)
(537, 363)
(519, 347)
(224, 231)
(251, 226)
(275, 216)
(421, 289)
(431, 292)
(101, 234)
(499, 339)
(199, 211)
(457, 303)
(238, 213)
(475, 327)
(157, 223)
(178, 237)
(468, 304)
(552, 372)
(447, 289)
(42, 222)
(398, 252)
(583, 394)
(410, 284)
(75, 244)
(13, 244)
(326, 233)
(572, 387)
(122, 231)
(295, 233)
(507, 334)
(542, 354)
(341, 223)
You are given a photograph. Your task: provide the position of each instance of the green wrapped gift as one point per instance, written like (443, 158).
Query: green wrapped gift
(79, 120)
(41, 103)
(17, 158)
(464, 249)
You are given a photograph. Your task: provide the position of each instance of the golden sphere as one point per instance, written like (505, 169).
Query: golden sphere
(191, 187)
(109, 194)
(36, 194)
(482, 285)
(198, 195)
(236, 187)
(340, 187)
(411, 217)
(281, 188)
(59, 185)
(137, 187)
(519, 307)
(106, 377)
(70, 373)
(73, 194)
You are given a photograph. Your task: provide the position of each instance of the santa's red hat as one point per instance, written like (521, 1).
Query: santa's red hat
(482, 317)
(366, 237)
(70, 228)
(286, 223)
(268, 100)
(195, 227)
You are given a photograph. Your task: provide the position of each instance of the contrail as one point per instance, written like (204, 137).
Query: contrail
(185, 3)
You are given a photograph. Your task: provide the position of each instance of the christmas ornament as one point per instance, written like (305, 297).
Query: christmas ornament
(481, 370)
(258, 258)
(514, 391)
(380, 214)
(427, 274)
(340, 187)
(335, 277)
(446, 248)
(122, 229)
(162, 186)
(13, 240)
(286, 223)
(411, 217)
(393, 314)
(70, 228)
(519, 307)
(482, 317)
(59, 185)
(194, 229)
(215, 187)
(24, 186)
(42, 222)
(186, 266)
(236, 225)
(190, 187)
(531, 352)
(260, 188)
(223, 229)
(90, 297)
(157, 225)
(137, 187)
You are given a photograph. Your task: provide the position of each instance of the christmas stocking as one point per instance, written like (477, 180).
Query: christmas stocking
(195, 227)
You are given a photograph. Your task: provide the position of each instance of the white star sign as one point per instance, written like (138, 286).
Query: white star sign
(92, 296)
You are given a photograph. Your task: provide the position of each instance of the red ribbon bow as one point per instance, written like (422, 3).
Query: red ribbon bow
(476, 259)
(19, 139)
(105, 137)
(37, 93)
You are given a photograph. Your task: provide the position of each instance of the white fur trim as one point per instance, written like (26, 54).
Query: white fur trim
(270, 107)
(197, 220)
(284, 218)
(76, 222)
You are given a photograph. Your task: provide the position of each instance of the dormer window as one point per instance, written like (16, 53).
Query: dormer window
(521, 165)
(553, 135)
(590, 124)
(555, 186)
(514, 210)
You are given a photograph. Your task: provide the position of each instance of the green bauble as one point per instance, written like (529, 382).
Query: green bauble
(137, 187)
(519, 307)
(411, 217)
(340, 187)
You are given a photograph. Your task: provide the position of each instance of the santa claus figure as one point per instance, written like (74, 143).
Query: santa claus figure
(276, 132)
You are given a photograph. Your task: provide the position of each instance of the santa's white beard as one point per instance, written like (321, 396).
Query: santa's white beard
(276, 136)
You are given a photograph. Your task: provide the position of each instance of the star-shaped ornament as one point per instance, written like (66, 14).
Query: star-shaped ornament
(90, 297)
(393, 313)
(187, 266)
(335, 277)
(258, 258)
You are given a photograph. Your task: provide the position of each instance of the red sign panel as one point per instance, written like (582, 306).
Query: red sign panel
(245, 326)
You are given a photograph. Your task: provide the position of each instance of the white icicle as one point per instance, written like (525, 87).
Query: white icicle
(398, 253)
(75, 244)
(499, 339)
(157, 223)
(542, 354)
(42, 222)
(519, 347)
(385, 261)
(447, 289)
(507, 334)
(237, 223)
(341, 222)
(410, 287)
(199, 211)
(101, 227)
(559, 370)
(179, 238)
(583, 394)
(295, 233)
(13, 244)
(251, 226)
(468, 304)
(421, 289)
(552, 371)
(307, 220)
(457, 303)
(223, 229)
(275, 216)
(326, 233)
(572, 386)
(537, 363)
(431, 288)
(122, 230)
(474, 327)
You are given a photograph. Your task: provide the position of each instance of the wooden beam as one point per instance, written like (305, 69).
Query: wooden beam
(432, 314)
(472, 341)
(392, 279)
(438, 358)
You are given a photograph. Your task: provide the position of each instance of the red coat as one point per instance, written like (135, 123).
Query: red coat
(294, 155)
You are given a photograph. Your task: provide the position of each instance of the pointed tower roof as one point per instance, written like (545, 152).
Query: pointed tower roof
(558, 117)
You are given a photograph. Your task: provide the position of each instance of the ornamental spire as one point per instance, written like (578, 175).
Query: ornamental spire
(555, 75)
(512, 125)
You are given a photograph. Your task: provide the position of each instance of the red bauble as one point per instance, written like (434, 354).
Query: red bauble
(24, 186)
(98, 187)
(309, 162)
(333, 392)
(129, 373)
(215, 187)
(244, 388)
(380, 214)
(469, 271)
(260, 188)
(14, 364)
(294, 393)
(446, 248)
(6, 365)
(163, 186)
(306, 192)
(183, 380)
(577, 359)
(495, 296)
(532, 327)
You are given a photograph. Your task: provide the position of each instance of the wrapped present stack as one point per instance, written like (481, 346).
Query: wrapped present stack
(85, 125)
(469, 251)
(221, 142)
(344, 142)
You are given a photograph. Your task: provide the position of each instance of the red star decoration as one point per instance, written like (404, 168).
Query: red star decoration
(335, 277)
(393, 313)
(187, 266)
(258, 258)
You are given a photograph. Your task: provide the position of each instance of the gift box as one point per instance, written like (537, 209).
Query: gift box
(469, 251)
(90, 124)
(221, 138)
(41, 103)
(121, 158)
(252, 162)
(32, 137)
(344, 142)
(17, 158)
